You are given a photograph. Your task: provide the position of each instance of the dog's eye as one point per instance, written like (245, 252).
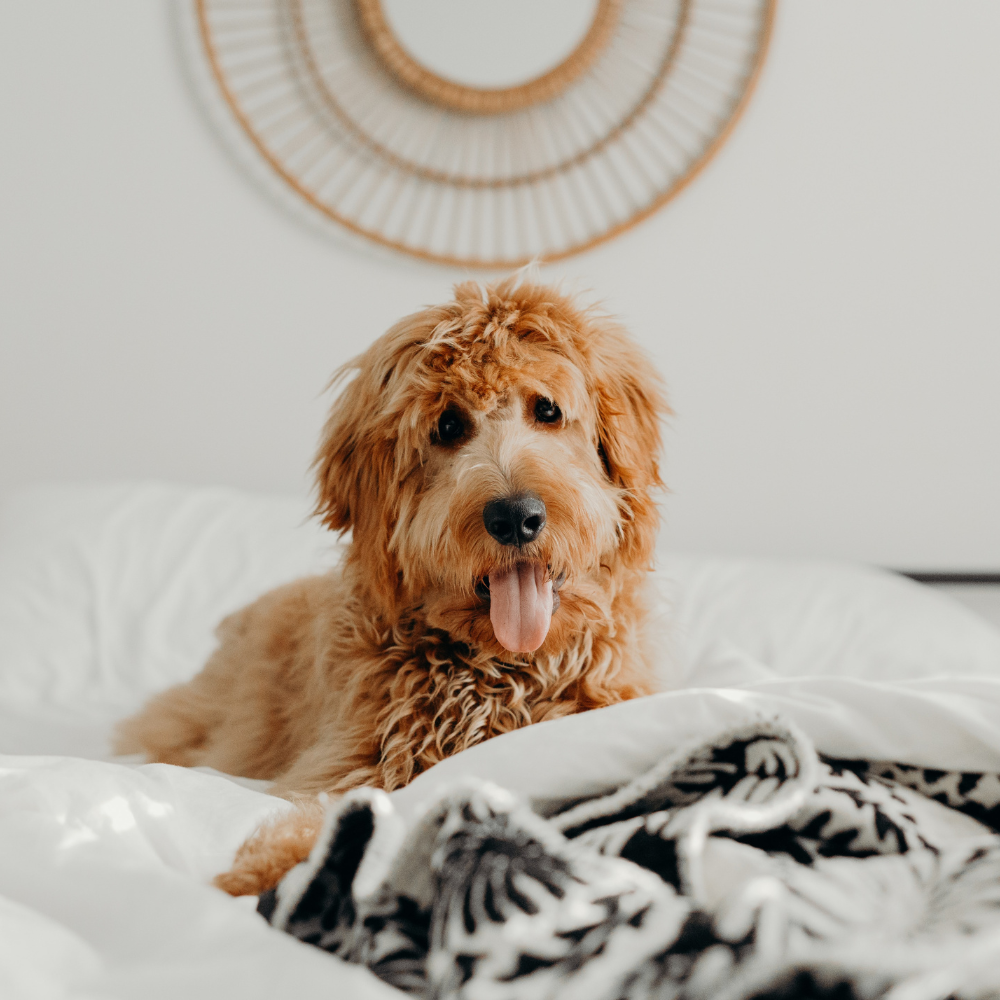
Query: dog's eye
(450, 427)
(546, 411)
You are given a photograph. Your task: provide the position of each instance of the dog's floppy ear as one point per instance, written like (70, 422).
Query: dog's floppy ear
(357, 466)
(355, 469)
(355, 463)
(346, 468)
(630, 406)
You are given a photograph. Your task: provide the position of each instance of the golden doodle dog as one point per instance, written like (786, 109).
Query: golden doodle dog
(495, 459)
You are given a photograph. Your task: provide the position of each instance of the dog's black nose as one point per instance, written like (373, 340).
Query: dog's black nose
(515, 520)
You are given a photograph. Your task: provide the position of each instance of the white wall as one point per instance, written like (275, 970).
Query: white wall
(823, 301)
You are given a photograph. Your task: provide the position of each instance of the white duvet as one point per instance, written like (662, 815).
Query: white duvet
(110, 593)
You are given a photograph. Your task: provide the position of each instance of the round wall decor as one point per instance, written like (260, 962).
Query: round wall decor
(479, 133)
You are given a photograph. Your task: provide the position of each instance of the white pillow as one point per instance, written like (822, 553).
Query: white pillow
(110, 593)
(810, 618)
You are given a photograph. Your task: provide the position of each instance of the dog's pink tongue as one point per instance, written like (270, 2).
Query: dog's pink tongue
(521, 607)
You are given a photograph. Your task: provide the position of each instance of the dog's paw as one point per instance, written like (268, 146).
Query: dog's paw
(277, 847)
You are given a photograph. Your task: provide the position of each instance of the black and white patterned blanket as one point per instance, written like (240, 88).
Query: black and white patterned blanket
(744, 867)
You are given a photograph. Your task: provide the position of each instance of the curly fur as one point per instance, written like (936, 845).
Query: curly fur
(376, 671)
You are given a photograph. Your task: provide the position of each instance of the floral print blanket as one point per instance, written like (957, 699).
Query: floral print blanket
(746, 866)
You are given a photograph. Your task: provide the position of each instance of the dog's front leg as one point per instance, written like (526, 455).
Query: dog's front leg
(274, 849)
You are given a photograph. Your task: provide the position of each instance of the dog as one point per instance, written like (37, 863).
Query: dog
(496, 462)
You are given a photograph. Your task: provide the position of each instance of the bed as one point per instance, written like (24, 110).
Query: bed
(109, 593)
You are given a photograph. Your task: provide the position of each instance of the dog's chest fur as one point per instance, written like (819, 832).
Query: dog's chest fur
(412, 696)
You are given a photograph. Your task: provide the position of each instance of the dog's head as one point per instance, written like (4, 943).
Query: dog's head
(495, 458)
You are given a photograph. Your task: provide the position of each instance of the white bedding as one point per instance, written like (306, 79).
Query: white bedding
(110, 593)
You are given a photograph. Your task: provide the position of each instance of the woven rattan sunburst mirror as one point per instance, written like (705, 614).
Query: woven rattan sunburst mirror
(409, 122)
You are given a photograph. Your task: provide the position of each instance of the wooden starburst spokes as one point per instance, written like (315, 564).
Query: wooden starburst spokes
(485, 176)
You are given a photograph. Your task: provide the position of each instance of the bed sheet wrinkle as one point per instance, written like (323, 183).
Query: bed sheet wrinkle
(104, 875)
